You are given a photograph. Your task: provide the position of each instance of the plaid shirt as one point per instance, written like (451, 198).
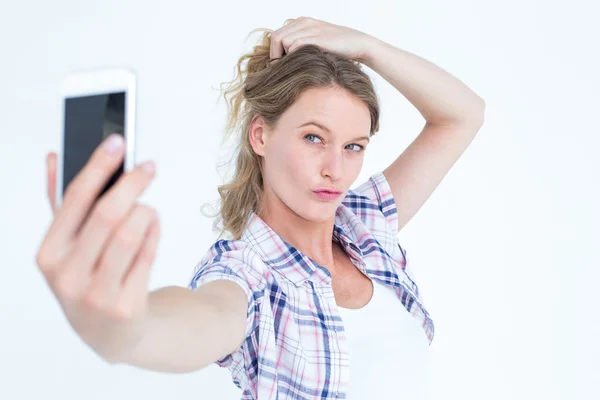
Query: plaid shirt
(295, 347)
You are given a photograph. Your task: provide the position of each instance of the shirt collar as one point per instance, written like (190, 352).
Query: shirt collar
(285, 258)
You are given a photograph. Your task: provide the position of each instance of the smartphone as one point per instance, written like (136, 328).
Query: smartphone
(94, 104)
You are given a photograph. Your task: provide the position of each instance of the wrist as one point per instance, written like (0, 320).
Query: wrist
(369, 50)
(120, 347)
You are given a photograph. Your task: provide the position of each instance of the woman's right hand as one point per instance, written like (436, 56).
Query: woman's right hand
(96, 256)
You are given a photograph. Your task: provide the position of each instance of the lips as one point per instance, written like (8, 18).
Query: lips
(328, 191)
(327, 194)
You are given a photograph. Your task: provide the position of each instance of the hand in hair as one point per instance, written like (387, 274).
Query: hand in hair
(302, 31)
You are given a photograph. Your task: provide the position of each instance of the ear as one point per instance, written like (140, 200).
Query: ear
(258, 135)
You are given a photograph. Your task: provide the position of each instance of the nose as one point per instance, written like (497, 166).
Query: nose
(333, 164)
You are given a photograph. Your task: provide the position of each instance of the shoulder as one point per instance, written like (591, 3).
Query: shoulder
(373, 202)
(232, 260)
(236, 261)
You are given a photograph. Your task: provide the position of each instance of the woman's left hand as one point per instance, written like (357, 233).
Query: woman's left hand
(329, 37)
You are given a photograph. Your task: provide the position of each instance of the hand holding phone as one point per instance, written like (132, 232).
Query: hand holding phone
(98, 251)
(95, 103)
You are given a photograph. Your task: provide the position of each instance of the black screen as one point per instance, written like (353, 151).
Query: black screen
(88, 121)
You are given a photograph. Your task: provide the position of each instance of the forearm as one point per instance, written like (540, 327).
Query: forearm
(185, 332)
(440, 97)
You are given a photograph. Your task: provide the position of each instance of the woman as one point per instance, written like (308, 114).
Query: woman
(283, 302)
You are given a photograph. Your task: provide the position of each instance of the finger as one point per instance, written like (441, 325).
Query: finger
(294, 39)
(299, 42)
(51, 180)
(277, 49)
(107, 215)
(120, 251)
(84, 189)
(137, 277)
(48, 256)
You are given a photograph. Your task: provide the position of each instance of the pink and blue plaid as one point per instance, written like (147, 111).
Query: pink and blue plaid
(295, 347)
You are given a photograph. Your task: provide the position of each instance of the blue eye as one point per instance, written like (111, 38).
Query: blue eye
(361, 148)
(312, 136)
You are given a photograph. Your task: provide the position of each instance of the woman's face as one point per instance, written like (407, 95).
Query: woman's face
(300, 157)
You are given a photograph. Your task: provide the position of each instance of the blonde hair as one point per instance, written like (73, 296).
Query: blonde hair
(268, 88)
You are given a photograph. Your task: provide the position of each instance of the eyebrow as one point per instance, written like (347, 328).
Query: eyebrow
(326, 129)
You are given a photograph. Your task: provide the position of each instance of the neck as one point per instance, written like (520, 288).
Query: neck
(313, 239)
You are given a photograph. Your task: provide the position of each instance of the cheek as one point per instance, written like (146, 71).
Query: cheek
(288, 170)
(292, 163)
(297, 164)
(357, 167)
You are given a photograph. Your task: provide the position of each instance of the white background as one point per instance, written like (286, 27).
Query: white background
(504, 251)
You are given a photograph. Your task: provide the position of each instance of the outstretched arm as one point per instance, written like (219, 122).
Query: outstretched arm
(190, 329)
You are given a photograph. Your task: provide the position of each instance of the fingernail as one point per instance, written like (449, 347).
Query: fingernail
(149, 167)
(113, 143)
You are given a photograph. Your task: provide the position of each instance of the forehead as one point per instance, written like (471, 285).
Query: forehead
(336, 108)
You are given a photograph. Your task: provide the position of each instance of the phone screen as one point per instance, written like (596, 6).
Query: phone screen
(88, 121)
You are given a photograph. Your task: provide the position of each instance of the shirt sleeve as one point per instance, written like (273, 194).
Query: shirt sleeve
(224, 262)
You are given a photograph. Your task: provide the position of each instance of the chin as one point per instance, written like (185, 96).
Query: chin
(319, 212)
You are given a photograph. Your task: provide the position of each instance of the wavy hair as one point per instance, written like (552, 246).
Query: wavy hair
(267, 88)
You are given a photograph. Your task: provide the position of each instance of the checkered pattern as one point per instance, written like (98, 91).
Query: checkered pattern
(295, 347)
